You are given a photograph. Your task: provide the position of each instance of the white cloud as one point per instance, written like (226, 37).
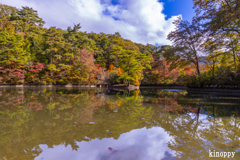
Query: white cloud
(139, 144)
(141, 21)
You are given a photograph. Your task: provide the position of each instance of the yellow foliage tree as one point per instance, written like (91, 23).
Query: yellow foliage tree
(111, 68)
(136, 82)
(120, 71)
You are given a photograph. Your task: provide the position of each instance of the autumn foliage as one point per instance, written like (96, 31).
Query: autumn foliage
(32, 54)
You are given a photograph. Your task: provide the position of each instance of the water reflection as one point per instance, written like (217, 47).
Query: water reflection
(53, 123)
(136, 144)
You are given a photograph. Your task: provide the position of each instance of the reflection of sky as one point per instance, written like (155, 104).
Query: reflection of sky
(205, 123)
(139, 144)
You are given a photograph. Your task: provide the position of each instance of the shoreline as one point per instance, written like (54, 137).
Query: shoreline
(50, 85)
(236, 90)
(70, 86)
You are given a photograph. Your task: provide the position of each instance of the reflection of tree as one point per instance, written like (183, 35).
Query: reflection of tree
(54, 116)
(126, 114)
(31, 117)
(192, 137)
(168, 101)
(224, 130)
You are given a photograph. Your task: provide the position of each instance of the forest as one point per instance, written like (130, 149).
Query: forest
(205, 51)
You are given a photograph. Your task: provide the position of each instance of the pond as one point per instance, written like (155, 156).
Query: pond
(100, 124)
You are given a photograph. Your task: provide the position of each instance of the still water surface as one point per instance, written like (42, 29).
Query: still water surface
(95, 124)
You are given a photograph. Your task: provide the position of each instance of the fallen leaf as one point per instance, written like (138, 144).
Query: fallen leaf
(91, 122)
(110, 149)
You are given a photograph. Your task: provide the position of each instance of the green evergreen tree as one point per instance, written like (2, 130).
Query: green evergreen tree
(54, 43)
(27, 14)
(13, 47)
(132, 63)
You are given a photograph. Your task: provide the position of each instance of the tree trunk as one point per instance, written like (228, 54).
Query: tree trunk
(198, 71)
(213, 68)
(234, 58)
(51, 61)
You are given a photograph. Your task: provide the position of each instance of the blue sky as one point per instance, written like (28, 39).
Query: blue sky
(141, 21)
(175, 7)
